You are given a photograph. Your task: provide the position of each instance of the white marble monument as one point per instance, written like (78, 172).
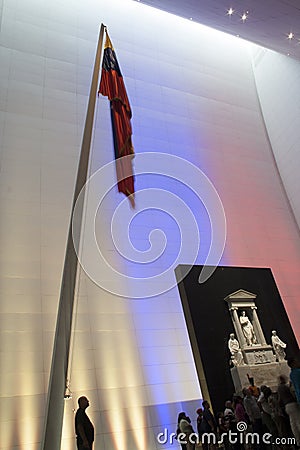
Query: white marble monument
(250, 353)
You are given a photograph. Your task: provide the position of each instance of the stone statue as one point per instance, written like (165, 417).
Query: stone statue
(236, 353)
(278, 346)
(248, 330)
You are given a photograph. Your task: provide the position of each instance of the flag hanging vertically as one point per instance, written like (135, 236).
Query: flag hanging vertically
(112, 86)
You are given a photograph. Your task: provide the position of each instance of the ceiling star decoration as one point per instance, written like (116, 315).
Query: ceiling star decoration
(243, 15)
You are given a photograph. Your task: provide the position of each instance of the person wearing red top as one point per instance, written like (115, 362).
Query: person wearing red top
(239, 410)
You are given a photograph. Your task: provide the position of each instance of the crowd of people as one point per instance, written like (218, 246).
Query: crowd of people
(259, 410)
(275, 414)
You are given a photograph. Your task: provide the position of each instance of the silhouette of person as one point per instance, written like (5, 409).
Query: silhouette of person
(84, 428)
(291, 407)
(295, 376)
(199, 420)
(208, 426)
(187, 431)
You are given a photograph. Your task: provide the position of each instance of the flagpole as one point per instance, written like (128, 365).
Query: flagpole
(60, 356)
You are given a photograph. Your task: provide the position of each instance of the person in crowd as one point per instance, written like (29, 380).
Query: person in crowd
(239, 410)
(252, 387)
(208, 425)
(84, 428)
(267, 418)
(291, 407)
(223, 429)
(241, 416)
(279, 416)
(221, 423)
(186, 432)
(294, 364)
(229, 417)
(179, 436)
(199, 421)
(254, 413)
(228, 411)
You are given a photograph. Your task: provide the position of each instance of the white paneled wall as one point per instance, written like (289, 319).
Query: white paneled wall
(277, 79)
(193, 95)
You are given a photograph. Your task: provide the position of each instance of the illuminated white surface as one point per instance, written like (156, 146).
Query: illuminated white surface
(193, 94)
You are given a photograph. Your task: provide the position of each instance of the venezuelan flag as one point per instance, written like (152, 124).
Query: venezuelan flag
(112, 86)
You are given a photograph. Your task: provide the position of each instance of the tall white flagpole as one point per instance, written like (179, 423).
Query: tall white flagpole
(60, 357)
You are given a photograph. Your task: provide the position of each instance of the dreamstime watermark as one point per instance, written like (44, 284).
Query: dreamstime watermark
(240, 436)
(178, 178)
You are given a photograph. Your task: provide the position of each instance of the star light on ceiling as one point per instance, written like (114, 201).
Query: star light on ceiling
(244, 16)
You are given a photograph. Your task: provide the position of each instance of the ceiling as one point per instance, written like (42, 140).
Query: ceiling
(268, 23)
